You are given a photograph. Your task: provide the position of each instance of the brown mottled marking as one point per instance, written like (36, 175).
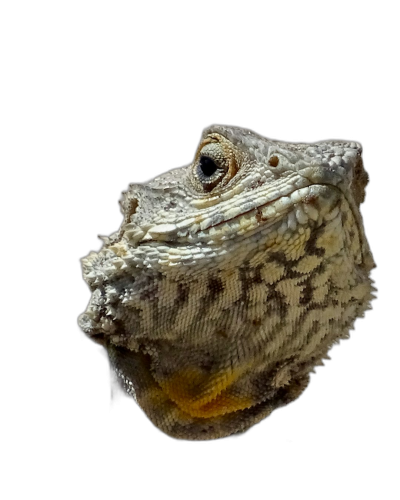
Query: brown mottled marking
(215, 286)
(310, 199)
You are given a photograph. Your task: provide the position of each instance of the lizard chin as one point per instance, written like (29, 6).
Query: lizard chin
(176, 406)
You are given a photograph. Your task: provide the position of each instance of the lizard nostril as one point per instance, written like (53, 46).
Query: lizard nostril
(273, 161)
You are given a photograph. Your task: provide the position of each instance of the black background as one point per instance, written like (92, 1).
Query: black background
(111, 125)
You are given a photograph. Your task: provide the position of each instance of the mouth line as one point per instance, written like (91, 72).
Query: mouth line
(263, 220)
(258, 210)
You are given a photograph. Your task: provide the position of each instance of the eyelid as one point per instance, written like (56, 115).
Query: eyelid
(215, 152)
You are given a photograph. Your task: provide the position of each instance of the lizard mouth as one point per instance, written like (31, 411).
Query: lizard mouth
(241, 219)
(220, 238)
(301, 207)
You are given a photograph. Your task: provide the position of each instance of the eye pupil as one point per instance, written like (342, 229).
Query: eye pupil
(207, 165)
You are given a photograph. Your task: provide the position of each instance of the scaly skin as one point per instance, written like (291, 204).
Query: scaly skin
(223, 290)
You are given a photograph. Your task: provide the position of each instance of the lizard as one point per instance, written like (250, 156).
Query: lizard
(231, 278)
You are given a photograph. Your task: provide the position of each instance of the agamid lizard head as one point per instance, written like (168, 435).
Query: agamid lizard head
(230, 279)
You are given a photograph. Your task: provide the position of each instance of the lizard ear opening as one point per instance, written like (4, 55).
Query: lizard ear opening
(273, 161)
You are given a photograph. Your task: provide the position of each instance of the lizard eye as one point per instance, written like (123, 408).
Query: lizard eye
(209, 172)
(215, 163)
(207, 166)
(211, 166)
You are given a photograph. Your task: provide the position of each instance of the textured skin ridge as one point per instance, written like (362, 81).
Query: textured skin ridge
(230, 279)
